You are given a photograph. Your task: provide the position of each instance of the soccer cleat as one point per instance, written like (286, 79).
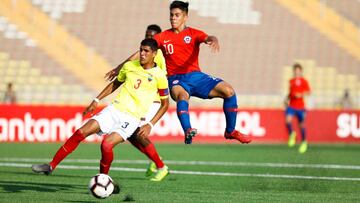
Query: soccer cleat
(42, 168)
(238, 136)
(292, 139)
(116, 188)
(160, 174)
(303, 147)
(151, 169)
(190, 133)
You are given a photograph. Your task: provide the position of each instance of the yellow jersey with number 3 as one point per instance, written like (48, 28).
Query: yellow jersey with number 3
(140, 89)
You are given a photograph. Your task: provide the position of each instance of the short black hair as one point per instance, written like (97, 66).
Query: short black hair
(151, 43)
(154, 27)
(297, 65)
(184, 6)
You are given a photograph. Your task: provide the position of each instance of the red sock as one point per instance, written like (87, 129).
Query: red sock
(107, 156)
(69, 146)
(151, 152)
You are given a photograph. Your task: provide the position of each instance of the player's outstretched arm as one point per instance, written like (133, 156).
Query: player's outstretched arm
(213, 42)
(114, 72)
(286, 101)
(110, 88)
(146, 129)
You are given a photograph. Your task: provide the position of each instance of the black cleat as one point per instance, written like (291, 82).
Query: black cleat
(190, 133)
(116, 188)
(42, 168)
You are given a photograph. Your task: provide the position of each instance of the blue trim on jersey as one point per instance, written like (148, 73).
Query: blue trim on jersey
(299, 113)
(197, 84)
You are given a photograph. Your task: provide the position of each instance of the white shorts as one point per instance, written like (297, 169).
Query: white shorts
(151, 113)
(112, 120)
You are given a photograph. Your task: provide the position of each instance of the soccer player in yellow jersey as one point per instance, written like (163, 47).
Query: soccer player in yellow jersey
(142, 83)
(143, 143)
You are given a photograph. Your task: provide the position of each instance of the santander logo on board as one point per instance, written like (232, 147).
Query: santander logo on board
(348, 125)
(209, 124)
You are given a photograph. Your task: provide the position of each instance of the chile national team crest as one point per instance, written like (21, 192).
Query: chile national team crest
(187, 39)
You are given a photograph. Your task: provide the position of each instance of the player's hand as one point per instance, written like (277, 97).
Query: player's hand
(145, 130)
(213, 42)
(110, 75)
(298, 95)
(286, 104)
(90, 109)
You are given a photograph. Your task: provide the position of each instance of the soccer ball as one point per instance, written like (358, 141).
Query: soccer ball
(101, 186)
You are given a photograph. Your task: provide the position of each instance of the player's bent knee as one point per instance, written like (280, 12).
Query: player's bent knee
(89, 128)
(143, 140)
(106, 145)
(229, 92)
(113, 139)
(179, 93)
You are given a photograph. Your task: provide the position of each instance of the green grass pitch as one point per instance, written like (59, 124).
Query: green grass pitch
(199, 173)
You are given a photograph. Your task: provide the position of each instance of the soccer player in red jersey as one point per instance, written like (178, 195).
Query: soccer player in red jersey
(299, 88)
(180, 45)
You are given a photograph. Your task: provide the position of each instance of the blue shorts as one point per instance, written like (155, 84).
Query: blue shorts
(299, 113)
(197, 84)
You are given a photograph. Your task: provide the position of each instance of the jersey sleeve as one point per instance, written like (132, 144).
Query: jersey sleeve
(162, 85)
(201, 36)
(157, 37)
(122, 73)
(306, 86)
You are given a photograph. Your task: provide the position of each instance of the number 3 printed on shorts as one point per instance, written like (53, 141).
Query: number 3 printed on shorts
(125, 125)
(137, 85)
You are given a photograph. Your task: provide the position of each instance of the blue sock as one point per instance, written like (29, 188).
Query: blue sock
(289, 128)
(183, 114)
(230, 111)
(303, 134)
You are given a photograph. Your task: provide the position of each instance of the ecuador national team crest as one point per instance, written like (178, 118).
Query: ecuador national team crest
(150, 77)
(187, 39)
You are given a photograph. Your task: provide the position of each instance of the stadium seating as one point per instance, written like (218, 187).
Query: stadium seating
(258, 39)
(36, 88)
(349, 9)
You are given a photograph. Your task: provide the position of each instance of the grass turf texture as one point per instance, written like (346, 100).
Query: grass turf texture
(20, 184)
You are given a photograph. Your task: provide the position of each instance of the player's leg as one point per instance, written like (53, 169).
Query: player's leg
(301, 117)
(157, 166)
(70, 145)
(133, 140)
(144, 144)
(181, 96)
(107, 154)
(148, 148)
(290, 112)
(225, 91)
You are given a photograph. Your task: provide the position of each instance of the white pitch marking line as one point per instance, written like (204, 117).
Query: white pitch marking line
(206, 163)
(72, 167)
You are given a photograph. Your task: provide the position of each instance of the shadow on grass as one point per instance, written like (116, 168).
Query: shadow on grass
(30, 173)
(20, 186)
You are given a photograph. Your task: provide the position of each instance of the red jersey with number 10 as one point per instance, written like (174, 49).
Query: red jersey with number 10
(181, 50)
(298, 85)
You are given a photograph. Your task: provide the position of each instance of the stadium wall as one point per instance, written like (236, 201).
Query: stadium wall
(22, 123)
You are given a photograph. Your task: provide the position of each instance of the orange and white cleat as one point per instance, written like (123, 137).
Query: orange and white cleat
(238, 136)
